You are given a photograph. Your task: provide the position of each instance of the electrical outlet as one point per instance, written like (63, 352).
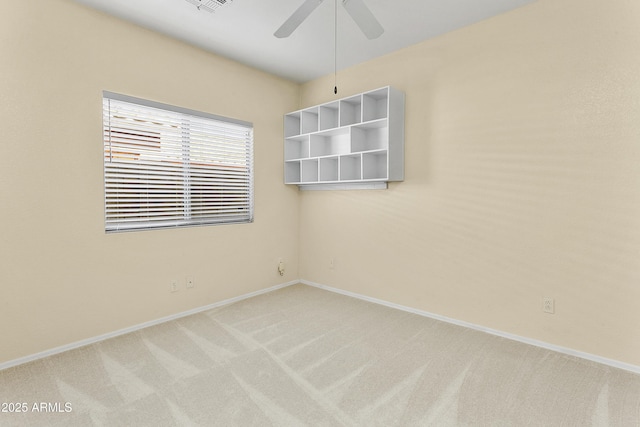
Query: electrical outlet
(281, 267)
(173, 286)
(191, 283)
(548, 305)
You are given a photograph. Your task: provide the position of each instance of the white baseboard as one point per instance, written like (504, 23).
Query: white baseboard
(591, 357)
(88, 341)
(542, 344)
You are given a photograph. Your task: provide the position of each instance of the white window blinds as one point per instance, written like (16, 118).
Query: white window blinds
(166, 166)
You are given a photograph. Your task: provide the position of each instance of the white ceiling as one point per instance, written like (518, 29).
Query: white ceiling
(243, 29)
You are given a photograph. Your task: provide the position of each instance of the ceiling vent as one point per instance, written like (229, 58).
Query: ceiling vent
(209, 5)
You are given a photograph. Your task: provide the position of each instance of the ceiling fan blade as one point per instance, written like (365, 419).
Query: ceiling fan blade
(361, 14)
(297, 18)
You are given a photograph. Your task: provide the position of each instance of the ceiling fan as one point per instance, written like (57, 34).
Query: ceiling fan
(358, 11)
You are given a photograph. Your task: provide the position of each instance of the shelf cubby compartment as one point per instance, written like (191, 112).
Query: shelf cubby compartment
(292, 172)
(375, 105)
(309, 170)
(309, 120)
(292, 124)
(330, 143)
(351, 167)
(328, 116)
(368, 136)
(296, 147)
(351, 110)
(329, 169)
(374, 165)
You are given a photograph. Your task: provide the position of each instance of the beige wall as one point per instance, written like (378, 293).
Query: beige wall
(522, 179)
(62, 279)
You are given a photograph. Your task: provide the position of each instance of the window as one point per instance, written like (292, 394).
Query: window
(166, 166)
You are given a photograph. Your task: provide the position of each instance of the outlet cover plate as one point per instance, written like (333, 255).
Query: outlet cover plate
(548, 305)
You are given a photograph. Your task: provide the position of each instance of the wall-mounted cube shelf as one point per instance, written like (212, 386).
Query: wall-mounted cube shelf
(346, 143)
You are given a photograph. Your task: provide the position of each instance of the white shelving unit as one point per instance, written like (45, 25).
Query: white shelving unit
(349, 143)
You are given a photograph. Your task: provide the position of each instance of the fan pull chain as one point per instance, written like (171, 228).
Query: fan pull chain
(335, 47)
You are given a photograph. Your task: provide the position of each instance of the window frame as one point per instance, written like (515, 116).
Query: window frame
(216, 170)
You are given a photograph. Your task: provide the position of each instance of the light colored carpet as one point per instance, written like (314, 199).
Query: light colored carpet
(303, 356)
